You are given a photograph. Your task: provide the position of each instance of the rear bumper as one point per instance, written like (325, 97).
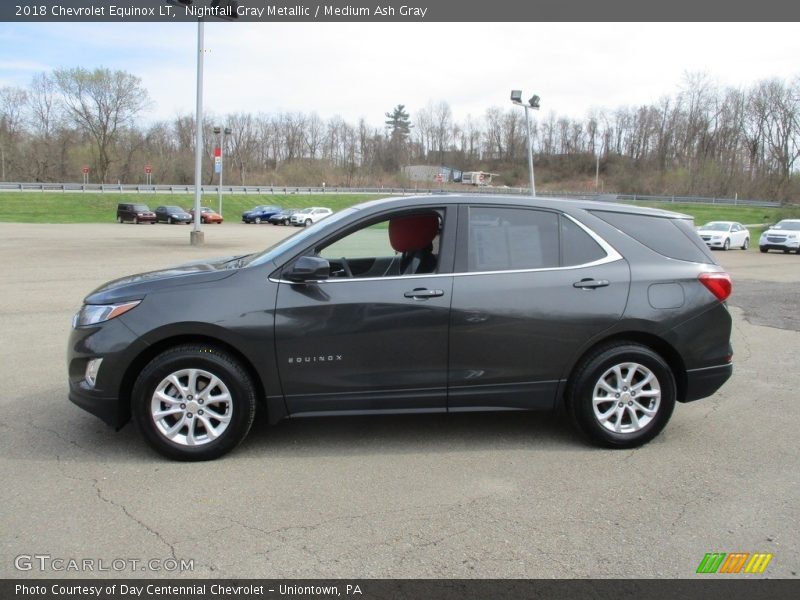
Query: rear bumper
(701, 383)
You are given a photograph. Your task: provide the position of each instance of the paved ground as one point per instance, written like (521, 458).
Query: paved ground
(503, 495)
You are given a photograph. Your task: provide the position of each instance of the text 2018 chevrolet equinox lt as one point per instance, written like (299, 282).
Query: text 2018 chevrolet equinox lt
(425, 304)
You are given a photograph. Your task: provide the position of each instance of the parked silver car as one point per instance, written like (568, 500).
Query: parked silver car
(784, 235)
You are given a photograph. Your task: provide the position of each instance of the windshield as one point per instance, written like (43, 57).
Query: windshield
(295, 242)
(714, 226)
(788, 225)
(305, 211)
(141, 208)
(174, 209)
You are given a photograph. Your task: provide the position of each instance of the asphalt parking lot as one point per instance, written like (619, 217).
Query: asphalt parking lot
(475, 496)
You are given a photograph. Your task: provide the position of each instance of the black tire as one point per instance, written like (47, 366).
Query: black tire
(786, 251)
(727, 244)
(169, 220)
(257, 220)
(135, 220)
(746, 244)
(216, 362)
(588, 375)
(307, 223)
(763, 250)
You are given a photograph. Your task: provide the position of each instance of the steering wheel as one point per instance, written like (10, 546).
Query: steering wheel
(346, 267)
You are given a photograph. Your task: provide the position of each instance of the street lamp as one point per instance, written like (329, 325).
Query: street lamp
(218, 163)
(516, 98)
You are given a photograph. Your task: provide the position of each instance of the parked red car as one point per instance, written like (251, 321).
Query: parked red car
(207, 215)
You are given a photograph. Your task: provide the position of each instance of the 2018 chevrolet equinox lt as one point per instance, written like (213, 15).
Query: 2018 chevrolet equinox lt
(427, 304)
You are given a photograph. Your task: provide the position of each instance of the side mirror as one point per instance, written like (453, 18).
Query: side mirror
(309, 268)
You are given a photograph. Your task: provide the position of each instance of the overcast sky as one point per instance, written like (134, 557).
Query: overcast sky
(363, 70)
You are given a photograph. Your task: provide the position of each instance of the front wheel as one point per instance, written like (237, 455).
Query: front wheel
(727, 244)
(169, 220)
(762, 249)
(194, 402)
(622, 396)
(308, 222)
(257, 220)
(746, 244)
(135, 220)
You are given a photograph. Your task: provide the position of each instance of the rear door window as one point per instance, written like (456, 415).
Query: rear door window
(504, 239)
(577, 246)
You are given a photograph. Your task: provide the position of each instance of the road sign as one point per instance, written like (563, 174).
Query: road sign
(440, 178)
(148, 169)
(85, 170)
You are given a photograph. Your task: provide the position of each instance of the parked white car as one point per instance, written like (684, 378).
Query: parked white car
(307, 216)
(784, 235)
(725, 235)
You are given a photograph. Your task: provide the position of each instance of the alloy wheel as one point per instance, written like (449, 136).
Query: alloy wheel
(191, 407)
(626, 398)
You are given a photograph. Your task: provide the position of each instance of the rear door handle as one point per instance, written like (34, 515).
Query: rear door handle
(590, 284)
(422, 293)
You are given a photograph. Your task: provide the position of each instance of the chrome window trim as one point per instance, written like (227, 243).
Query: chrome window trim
(611, 256)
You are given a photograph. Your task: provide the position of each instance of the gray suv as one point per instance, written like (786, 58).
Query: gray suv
(425, 304)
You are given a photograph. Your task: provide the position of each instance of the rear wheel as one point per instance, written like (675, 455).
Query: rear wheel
(746, 244)
(194, 402)
(119, 220)
(622, 395)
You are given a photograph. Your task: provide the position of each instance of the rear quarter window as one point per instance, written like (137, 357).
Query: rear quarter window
(673, 238)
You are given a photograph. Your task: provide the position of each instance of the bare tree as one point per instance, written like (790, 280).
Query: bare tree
(102, 103)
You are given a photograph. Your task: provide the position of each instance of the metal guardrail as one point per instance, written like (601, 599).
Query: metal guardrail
(697, 200)
(262, 190)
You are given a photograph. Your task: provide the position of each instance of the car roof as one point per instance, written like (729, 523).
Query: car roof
(552, 203)
(724, 222)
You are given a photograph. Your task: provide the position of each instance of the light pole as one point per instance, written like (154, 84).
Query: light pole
(597, 174)
(196, 236)
(516, 98)
(218, 163)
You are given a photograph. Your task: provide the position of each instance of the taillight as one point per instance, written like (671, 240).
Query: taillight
(718, 284)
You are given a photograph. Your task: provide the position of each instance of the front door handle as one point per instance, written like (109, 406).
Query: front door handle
(590, 284)
(422, 293)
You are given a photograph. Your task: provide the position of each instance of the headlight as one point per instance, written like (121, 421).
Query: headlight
(792, 236)
(92, 314)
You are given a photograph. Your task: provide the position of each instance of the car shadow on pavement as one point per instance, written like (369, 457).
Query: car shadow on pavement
(401, 434)
(64, 432)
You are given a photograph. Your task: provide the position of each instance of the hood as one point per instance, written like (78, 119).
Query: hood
(702, 231)
(787, 232)
(135, 287)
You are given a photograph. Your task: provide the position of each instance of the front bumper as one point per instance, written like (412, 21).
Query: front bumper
(701, 383)
(117, 346)
(792, 245)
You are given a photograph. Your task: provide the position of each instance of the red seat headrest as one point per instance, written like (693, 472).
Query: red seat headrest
(409, 234)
